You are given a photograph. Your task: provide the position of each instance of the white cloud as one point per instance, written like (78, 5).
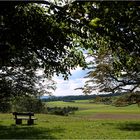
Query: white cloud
(66, 87)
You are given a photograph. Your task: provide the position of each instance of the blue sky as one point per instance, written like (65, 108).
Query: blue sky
(66, 87)
(76, 80)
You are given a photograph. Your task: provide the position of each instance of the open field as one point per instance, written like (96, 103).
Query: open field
(92, 121)
(86, 108)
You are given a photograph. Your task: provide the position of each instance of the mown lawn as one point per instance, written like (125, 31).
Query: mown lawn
(75, 126)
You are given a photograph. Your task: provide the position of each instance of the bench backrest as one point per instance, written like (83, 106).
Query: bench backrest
(23, 114)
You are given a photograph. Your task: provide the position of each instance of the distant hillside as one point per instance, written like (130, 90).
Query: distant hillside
(44, 97)
(78, 97)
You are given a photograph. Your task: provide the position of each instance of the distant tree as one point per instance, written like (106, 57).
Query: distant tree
(134, 98)
(98, 99)
(121, 101)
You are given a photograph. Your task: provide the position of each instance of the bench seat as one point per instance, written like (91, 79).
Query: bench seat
(24, 116)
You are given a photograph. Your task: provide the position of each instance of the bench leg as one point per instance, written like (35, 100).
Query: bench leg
(30, 122)
(18, 121)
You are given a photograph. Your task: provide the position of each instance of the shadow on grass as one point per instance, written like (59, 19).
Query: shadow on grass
(130, 127)
(28, 132)
(124, 126)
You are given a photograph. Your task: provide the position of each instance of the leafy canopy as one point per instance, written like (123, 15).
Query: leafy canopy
(51, 36)
(34, 38)
(114, 44)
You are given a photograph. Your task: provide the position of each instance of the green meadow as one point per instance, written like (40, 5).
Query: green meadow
(86, 123)
(86, 108)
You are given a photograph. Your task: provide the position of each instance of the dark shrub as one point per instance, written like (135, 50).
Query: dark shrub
(5, 106)
(61, 111)
(28, 104)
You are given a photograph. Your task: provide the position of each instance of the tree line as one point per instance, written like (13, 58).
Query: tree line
(78, 97)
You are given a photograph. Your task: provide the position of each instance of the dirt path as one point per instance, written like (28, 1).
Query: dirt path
(115, 116)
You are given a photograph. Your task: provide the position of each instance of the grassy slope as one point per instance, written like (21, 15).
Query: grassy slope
(86, 108)
(74, 126)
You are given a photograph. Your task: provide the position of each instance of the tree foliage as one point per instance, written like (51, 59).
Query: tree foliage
(33, 37)
(114, 32)
(51, 36)
(27, 104)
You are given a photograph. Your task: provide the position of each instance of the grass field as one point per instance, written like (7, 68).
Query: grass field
(81, 125)
(86, 108)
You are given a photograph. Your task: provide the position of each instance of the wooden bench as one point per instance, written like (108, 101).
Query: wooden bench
(24, 116)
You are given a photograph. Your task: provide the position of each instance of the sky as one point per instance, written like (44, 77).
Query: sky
(66, 87)
(75, 80)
